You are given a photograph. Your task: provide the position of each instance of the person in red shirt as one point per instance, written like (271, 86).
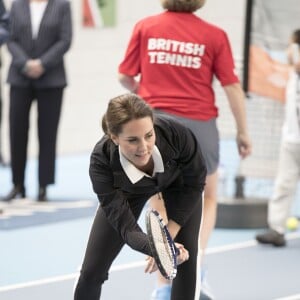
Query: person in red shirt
(171, 61)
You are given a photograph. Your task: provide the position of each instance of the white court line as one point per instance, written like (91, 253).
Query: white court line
(138, 264)
(292, 297)
(72, 276)
(37, 282)
(247, 244)
(133, 265)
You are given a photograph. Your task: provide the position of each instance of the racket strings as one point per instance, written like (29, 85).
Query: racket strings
(162, 246)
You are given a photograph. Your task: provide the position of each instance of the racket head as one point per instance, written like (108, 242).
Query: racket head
(161, 243)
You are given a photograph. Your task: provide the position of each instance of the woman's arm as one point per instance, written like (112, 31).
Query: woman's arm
(129, 83)
(56, 52)
(236, 98)
(19, 56)
(115, 205)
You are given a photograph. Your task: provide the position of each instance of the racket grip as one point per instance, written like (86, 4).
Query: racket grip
(177, 252)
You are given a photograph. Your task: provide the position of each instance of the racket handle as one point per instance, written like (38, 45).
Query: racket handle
(177, 251)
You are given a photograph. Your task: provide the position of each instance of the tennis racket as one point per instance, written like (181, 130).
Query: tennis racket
(162, 245)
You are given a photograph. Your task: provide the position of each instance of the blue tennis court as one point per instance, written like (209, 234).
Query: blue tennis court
(43, 245)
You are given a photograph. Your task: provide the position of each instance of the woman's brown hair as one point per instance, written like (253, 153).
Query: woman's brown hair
(123, 109)
(182, 5)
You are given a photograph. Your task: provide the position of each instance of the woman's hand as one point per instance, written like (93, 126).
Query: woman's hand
(151, 265)
(183, 256)
(34, 68)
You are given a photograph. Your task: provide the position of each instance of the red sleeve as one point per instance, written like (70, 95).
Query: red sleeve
(131, 64)
(224, 65)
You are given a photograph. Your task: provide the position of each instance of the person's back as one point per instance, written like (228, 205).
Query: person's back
(179, 55)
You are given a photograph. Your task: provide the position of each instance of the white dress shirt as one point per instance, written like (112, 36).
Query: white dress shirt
(37, 10)
(134, 174)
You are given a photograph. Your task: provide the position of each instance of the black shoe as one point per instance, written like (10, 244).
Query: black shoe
(18, 191)
(271, 237)
(42, 195)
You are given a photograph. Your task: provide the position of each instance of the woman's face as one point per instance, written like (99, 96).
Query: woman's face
(137, 141)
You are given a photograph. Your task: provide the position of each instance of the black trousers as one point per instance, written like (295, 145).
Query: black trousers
(49, 102)
(105, 243)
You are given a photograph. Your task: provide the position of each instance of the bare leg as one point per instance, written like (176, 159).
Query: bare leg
(209, 214)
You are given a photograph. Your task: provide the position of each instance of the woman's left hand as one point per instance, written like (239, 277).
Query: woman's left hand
(151, 265)
(183, 256)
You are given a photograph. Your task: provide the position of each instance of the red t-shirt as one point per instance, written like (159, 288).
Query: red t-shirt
(177, 56)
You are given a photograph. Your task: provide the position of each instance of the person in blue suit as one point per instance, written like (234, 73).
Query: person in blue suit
(40, 36)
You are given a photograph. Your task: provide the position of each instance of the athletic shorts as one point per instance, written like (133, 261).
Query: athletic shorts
(207, 135)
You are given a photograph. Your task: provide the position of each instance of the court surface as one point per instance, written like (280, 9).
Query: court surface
(238, 271)
(42, 246)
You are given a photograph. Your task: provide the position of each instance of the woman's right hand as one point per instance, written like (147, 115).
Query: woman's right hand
(183, 256)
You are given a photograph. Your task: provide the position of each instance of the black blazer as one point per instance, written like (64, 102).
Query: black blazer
(181, 184)
(53, 41)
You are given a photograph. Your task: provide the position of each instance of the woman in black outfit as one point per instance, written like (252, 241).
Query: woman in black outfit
(139, 156)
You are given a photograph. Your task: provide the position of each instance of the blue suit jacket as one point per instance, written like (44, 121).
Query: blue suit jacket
(53, 40)
(4, 23)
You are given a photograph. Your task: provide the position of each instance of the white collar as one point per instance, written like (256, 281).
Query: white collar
(133, 173)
